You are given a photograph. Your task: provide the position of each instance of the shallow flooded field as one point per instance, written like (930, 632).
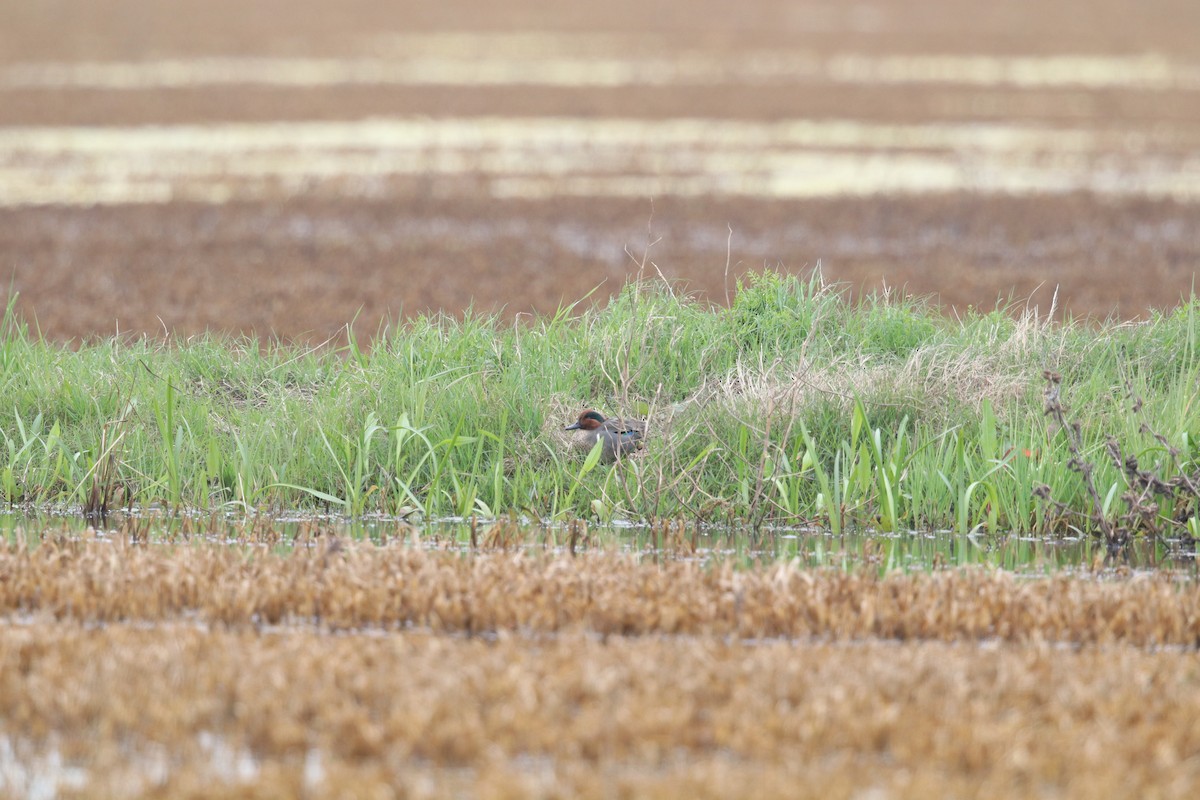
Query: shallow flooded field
(705, 544)
(139, 668)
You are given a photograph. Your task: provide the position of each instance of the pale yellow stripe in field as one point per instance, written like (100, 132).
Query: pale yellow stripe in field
(548, 132)
(482, 61)
(544, 157)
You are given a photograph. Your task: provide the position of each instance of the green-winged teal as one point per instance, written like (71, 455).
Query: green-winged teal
(618, 437)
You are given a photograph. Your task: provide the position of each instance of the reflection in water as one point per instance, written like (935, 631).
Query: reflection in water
(915, 550)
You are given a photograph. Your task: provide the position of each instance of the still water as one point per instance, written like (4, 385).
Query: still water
(865, 548)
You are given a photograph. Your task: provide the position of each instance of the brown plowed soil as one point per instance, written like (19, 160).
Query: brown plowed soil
(302, 264)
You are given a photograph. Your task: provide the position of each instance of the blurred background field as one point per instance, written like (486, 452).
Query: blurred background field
(284, 167)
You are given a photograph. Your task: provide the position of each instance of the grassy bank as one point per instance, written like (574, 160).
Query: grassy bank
(792, 405)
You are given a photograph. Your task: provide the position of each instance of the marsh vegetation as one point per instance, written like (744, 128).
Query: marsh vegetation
(349, 666)
(791, 406)
(862, 536)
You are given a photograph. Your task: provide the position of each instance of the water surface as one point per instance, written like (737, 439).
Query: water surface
(912, 550)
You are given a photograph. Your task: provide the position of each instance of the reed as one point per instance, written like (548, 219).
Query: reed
(329, 666)
(343, 585)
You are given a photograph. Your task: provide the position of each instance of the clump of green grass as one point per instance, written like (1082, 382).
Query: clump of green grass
(793, 404)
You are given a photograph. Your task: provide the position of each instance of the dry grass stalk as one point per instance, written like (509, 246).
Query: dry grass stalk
(938, 378)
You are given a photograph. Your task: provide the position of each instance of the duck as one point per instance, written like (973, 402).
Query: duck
(618, 437)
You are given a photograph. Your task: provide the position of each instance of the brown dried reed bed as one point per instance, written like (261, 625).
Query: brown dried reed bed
(348, 586)
(578, 716)
(349, 669)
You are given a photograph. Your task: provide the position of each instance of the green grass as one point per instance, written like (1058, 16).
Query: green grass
(793, 405)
